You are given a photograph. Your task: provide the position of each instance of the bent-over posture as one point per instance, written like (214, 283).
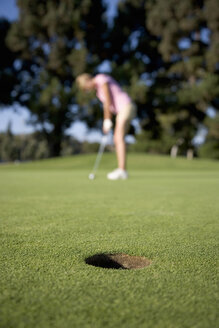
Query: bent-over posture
(115, 102)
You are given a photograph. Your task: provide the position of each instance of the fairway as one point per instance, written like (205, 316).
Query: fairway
(52, 217)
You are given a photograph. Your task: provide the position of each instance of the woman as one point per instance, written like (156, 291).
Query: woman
(115, 102)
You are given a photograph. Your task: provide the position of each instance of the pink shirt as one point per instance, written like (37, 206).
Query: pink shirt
(120, 99)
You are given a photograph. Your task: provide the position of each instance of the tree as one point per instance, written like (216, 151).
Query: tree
(162, 49)
(135, 60)
(7, 71)
(188, 33)
(56, 41)
(211, 146)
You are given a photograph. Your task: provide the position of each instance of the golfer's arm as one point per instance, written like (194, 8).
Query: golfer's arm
(108, 102)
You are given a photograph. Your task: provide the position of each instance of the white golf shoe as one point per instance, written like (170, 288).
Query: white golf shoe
(118, 174)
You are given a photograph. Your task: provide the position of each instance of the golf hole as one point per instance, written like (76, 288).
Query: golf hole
(118, 261)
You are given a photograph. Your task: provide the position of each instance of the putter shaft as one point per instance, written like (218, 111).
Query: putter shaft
(100, 153)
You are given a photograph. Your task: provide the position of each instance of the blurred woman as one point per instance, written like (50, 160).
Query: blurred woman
(115, 102)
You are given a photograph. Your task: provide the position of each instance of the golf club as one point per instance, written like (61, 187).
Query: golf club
(99, 155)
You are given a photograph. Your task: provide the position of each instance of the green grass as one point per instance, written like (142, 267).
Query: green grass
(52, 217)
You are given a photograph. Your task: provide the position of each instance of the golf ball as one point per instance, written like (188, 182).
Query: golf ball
(91, 176)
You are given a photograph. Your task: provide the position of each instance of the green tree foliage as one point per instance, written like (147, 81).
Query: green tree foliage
(188, 32)
(167, 52)
(27, 147)
(22, 147)
(136, 60)
(56, 41)
(164, 53)
(7, 71)
(211, 146)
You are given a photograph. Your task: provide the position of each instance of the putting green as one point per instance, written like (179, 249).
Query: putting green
(52, 218)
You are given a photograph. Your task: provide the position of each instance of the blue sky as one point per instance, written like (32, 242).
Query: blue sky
(8, 9)
(18, 119)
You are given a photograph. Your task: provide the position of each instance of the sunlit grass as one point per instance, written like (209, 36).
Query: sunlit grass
(52, 217)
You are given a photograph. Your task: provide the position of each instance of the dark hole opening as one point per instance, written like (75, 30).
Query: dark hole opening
(118, 261)
(103, 261)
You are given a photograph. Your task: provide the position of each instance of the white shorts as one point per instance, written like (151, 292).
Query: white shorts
(127, 114)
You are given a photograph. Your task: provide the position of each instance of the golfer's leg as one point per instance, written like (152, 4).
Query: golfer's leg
(119, 140)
